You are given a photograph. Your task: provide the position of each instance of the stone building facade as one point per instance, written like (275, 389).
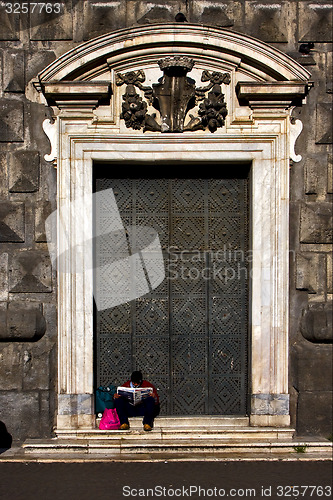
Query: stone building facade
(40, 383)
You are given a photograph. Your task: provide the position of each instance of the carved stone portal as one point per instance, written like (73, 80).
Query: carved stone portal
(174, 96)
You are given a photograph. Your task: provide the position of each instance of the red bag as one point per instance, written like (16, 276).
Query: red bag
(109, 420)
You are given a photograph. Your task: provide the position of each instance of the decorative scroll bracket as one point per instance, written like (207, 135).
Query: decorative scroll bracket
(50, 130)
(296, 127)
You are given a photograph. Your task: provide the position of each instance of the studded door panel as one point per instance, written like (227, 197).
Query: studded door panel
(188, 335)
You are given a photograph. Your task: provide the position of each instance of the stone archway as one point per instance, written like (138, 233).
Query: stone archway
(262, 87)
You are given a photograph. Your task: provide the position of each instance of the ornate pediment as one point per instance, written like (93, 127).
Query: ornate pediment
(173, 97)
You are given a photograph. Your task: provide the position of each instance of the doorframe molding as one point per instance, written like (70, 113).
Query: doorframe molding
(270, 279)
(265, 85)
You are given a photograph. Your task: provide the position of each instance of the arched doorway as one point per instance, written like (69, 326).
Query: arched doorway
(258, 86)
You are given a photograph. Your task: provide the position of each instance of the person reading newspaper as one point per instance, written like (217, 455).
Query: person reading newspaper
(146, 405)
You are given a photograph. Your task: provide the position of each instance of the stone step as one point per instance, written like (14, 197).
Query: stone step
(194, 433)
(172, 447)
(192, 422)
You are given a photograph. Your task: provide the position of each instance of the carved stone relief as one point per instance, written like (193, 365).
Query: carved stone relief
(174, 96)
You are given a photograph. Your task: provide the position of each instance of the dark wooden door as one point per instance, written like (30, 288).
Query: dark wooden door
(189, 335)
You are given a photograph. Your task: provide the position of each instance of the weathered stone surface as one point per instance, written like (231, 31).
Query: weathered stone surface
(22, 321)
(329, 273)
(10, 24)
(102, 17)
(10, 367)
(3, 176)
(329, 72)
(52, 25)
(315, 174)
(316, 324)
(324, 123)
(24, 171)
(11, 222)
(14, 71)
(41, 214)
(20, 412)
(315, 22)
(269, 22)
(315, 413)
(37, 61)
(3, 276)
(314, 367)
(11, 120)
(307, 272)
(224, 14)
(316, 223)
(140, 12)
(330, 174)
(36, 371)
(30, 272)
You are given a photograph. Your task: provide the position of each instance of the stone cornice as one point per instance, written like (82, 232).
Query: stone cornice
(76, 94)
(272, 94)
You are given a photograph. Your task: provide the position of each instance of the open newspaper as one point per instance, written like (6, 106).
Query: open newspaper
(135, 395)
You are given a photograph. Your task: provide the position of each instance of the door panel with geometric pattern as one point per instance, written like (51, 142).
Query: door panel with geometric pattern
(189, 336)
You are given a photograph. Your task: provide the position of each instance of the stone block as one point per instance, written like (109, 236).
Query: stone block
(324, 123)
(24, 171)
(141, 12)
(329, 72)
(12, 222)
(101, 17)
(225, 14)
(314, 415)
(270, 22)
(307, 275)
(37, 61)
(314, 368)
(52, 25)
(10, 367)
(330, 174)
(43, 210)
(315, 178)
(316, 324)
(3, 176)
(11, 121)
(36, 371)
(329, 273)
(14, 71)
(10, 23)
(316, 223)
(3, 276)
(315, 22)
(22, 321)
(30, 272)
(20, 411)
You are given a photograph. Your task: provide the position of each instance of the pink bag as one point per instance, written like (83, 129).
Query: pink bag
(109, 420)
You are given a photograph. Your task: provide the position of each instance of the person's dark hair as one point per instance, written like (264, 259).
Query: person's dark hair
(136, 377)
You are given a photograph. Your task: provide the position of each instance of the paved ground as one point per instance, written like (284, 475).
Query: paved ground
(118, 481)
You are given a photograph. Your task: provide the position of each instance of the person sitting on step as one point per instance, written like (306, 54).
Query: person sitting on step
(149, 408)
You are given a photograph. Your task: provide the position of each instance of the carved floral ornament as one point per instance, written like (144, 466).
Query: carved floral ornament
(174, 96)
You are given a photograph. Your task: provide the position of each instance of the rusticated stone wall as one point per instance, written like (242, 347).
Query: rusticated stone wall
(28, 43)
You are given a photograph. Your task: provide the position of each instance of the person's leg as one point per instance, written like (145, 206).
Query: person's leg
(149, 412)
(123, 409)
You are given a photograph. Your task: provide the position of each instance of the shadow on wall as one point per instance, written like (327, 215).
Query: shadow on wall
(5, 438)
